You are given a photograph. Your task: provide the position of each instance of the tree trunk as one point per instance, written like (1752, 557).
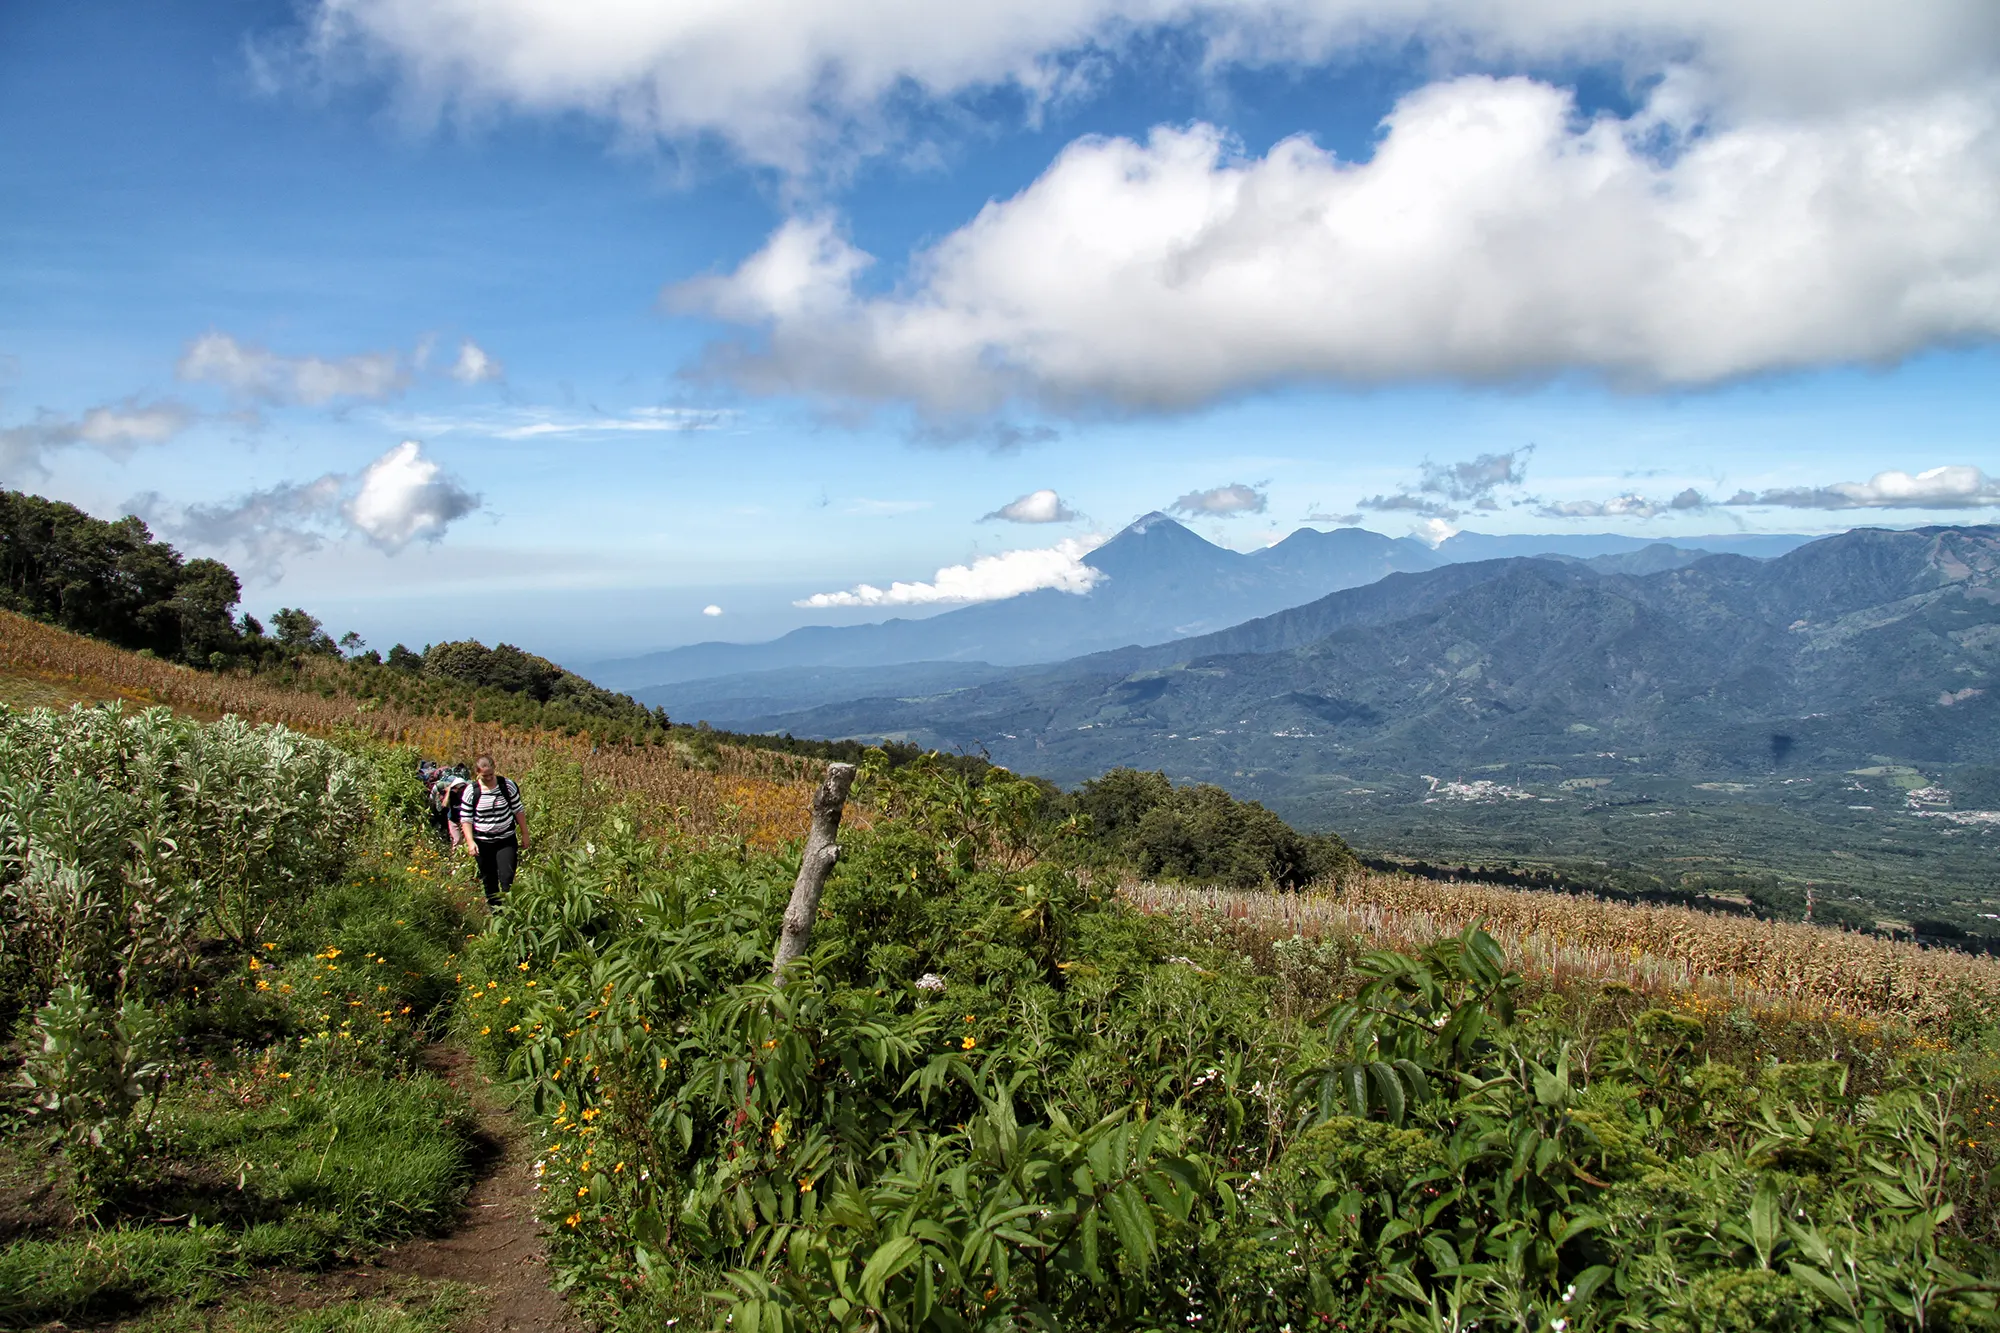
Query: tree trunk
(820, 854)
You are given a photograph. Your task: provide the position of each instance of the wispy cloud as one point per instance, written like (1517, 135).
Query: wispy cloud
(1043, 506)
(986, 579)
(1443, 487)
(1478, 478)
(1407, 502)
(530, 423)
(1222, 501)
(1953, 487)
(115, 429)
(474, 366)
(261, 375)
(1629, 505)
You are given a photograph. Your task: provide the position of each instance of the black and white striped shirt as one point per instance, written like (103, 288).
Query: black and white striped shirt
(491, 813)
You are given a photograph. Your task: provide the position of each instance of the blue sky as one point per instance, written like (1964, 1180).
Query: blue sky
(560, 322)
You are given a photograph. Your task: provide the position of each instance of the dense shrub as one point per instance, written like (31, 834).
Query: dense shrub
(1203, 834)
(125, 835)
(993, 1098)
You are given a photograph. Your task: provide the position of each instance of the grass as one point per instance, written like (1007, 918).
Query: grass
(414, 1307)
(252, 1175)
(298, 1129)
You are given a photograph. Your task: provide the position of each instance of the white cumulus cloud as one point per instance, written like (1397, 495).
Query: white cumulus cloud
(399, 498)
(404, 497)
(1494, 235)
(1955, 487)
(987, 579)
(262, 375)
(1043, 506)
(711, 610)
(782, 80)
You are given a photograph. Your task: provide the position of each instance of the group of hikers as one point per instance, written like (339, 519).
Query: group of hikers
(479, 813)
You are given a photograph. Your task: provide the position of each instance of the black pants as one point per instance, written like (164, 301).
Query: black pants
(496, 866)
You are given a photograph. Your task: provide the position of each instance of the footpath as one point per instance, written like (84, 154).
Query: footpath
(495, 1255)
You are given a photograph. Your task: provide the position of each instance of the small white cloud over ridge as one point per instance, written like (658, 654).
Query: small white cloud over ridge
(1043, 506)
(1629, 505)
(990, 578)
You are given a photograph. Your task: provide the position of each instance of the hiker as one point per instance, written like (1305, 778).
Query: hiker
(430, 774)
(445, 796)
(495, 826)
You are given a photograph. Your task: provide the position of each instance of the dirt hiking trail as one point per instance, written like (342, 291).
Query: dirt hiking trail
(497, 1248)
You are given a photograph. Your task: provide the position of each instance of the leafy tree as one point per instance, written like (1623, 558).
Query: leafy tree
(203, 598)
(112, 581)
(300, 632)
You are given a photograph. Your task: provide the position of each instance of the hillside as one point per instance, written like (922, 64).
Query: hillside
(707, 788)
(995, 1020)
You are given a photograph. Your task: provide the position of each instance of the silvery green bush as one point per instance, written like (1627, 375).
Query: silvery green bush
(126, 840)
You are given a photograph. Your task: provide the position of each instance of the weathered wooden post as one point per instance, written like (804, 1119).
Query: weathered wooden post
(817, 863)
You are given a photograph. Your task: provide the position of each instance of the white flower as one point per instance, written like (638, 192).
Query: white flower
(930, 981)
(1559, 1324)
(1570, 1294)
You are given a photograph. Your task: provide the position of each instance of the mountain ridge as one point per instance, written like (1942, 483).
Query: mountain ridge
(1501, 662)
(1161, 582)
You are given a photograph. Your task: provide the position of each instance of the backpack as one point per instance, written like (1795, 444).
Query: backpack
(505, 790)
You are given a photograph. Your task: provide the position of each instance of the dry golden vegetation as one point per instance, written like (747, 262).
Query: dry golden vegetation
(1769, 967)
(721, 790)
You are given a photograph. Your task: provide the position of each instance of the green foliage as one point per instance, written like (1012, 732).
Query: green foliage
(1203, 834)
(121, 834)
(991, 1097)
(89, 1071)
(512, 671)
(112, 581)
(299, 632)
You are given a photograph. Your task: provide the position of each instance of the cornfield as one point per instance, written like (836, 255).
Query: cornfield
(1772, 968)
(728, 791)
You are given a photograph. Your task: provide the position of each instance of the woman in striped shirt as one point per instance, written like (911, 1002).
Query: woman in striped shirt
(495, 824)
